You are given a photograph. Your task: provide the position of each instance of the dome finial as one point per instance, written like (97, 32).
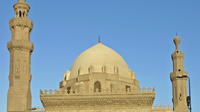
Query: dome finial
(99, 39)
(22, 1)
(177, 42)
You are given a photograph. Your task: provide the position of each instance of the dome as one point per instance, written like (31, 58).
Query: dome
(99, 56)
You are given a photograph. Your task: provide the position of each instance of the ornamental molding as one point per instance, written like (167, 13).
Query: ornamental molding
(56, 99)
(20, 44)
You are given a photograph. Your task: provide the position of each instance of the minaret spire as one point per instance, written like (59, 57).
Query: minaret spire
(99, 39)
(179, 79)
(20, 48)
(177, 42)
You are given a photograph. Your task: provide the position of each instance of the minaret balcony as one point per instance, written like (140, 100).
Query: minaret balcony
(23, 22)
(20, 44)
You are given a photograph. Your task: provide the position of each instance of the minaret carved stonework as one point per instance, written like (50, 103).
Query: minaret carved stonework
(179, 79)
(20, 48)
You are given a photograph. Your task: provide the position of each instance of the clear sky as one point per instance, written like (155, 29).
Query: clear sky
(140, 30)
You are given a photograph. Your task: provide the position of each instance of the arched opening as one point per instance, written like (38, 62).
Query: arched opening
(128, 88)
(68, 90)
(97, 86)
(20, 14)
(65, 78)
(90, 69)
(111, 88)
(24, 14)
(78, 71)
(104, 69)
(116, 71)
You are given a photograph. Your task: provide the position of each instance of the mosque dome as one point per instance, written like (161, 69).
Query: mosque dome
(100, 58)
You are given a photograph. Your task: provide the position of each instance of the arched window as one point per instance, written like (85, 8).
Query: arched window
(78, 71)
(68, 90)
(89, 70)
(116, 70)
(24, 14)
(65, 78)
(111, 88)
(97, 86)
(20, 13)
(128, 88)
(104, 69)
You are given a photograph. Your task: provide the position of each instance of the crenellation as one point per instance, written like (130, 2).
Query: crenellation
(162, 108)
(41, 92)
(149, 90)
(50, 92)
(45, 92)
(64, 92)
(56, 91)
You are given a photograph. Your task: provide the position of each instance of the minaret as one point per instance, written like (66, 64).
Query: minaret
(20, 48)
(179, 79)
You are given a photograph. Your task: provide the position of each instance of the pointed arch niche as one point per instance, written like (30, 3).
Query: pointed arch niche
(97, 86)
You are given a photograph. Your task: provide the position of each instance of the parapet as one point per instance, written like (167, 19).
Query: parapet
(61, 92)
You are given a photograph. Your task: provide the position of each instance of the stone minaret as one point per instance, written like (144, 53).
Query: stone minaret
(179, 79)
(20, 48)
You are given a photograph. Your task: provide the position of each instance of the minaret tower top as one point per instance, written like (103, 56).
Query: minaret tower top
(21, 9)
(178, 57)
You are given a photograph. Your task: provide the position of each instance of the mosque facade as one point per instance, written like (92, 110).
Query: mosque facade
(98, 81)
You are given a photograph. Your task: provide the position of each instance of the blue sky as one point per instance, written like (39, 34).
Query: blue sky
(139, 30)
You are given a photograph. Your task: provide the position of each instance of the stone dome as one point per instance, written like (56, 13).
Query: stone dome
(100, 57)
